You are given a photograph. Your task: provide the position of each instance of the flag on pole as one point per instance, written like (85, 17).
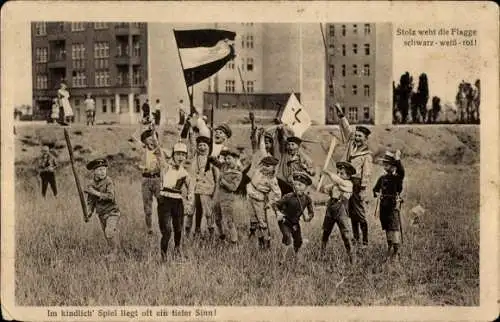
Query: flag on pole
(295, 116)
(203, 52)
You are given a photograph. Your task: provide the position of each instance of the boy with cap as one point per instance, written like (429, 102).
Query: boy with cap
(205, 188)
(46, 165)
(293, 161)
(290, 208)
(359, 155)
(222, 134)
(229, 181)
(388, 188)
(262, 191)
(338, 205)
(150, 167)
(101, 199)
(171, 206)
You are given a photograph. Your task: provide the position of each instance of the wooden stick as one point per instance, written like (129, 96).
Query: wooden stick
(75, 175)
(327, 161)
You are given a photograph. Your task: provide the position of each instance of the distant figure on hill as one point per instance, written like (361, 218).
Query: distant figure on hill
(90, 110)
(157, 112)
(146, 111)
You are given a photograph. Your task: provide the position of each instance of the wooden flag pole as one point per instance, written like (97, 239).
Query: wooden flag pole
(251, 115)
(327, 161)
(75, 175)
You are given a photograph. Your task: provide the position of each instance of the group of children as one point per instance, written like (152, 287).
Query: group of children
(189, 186)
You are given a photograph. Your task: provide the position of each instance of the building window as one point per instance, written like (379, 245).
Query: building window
(77, 51)
(101, 25)
(230, 86)
(104, 105)
(343, 70)
(353, 114)
(101, 64)
(78, 64)
(41, 82)
(354, 89)
(60, 27)
(366, 90)
(354, 49)
(77, 26)
(40, 29)
(367, 49)
(137, 77)
(41, 55)
(101, 49)
(343, 108)
(242, 41)
(249, 42)
(332, 30)
(250, 87)
(355, 69)
(102, 78)
(367, 29)
(343, 50)
(79, 79)
(230, 65)
(355, 29)
(366, 113)
(249, 64)
(366, 69)
(332, 70)
(137, 106)
(137, 49)
(343, 30)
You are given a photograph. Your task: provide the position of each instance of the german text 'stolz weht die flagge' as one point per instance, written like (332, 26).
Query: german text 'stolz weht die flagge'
(203, 52)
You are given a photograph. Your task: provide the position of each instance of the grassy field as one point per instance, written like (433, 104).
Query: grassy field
(59, 257)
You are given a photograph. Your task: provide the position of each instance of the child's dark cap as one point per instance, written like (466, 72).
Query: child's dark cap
(94, 164)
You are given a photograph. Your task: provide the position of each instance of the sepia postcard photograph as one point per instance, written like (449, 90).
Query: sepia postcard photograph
(249, 161)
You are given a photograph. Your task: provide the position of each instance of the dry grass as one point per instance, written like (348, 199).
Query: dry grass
(59, 257)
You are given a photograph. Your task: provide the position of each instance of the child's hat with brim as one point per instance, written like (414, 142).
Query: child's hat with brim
(302, 177)
(347, 166)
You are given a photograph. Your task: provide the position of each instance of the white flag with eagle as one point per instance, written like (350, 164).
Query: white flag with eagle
(295, 116)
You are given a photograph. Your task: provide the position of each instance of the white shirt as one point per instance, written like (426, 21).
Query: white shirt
(158, 107)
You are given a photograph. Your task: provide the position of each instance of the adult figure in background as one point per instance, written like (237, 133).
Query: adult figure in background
(157, 112)
(89, 110)
(146, 111)
(63, 95)
(359, 155)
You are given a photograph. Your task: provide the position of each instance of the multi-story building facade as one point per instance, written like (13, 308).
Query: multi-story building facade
(359, 71)
(106, 60)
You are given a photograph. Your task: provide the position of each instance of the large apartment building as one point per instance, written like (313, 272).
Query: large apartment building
(106, 60)
(359, 71)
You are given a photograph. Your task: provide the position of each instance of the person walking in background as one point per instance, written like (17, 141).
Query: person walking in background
(63, 96)
(388, 188)
(157, 112)
(46, 166)
(146, 112)
(359, 155)
(90, 110)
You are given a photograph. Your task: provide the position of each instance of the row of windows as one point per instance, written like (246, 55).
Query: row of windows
(41, 27)
(248, 66)
(101, 79)
(247, 41)
(364, 72)
(352, 113)
(354, 88)
(230, 86)
(366, 48)
(367, 29)
(41, 55)
(78, 51)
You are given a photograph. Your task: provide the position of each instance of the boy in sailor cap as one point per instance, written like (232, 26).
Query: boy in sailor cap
(338, 205)
(205, 187)
(359, 155)
(262, 191)
(230, 178)
(388, 188)
(290, 208)
(101, 200)
(171, 206)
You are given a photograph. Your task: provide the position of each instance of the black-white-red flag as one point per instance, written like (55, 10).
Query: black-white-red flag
(203, 52)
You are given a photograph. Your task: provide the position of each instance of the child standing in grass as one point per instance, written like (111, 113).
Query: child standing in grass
(290, 208)
(338, 205)
(229, 181)
(101, 199)
(46, 165)
(388, 188)
(262, 191)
